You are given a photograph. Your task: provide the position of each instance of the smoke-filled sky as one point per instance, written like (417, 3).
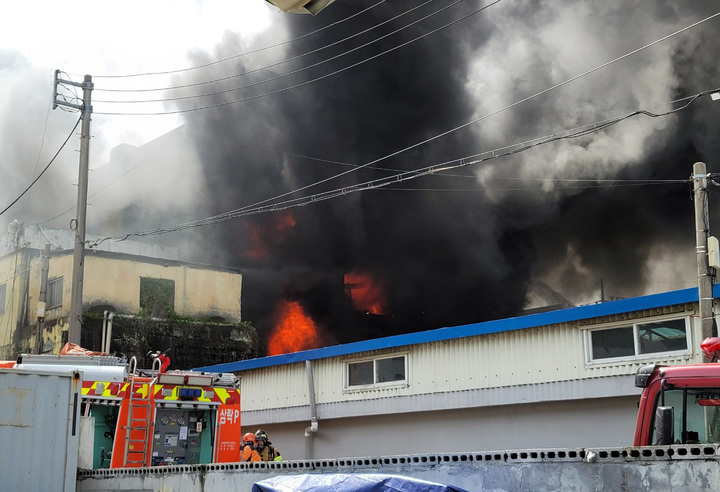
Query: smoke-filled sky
(400, 86)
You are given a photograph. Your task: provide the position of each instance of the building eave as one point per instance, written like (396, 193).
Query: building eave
(496, 326)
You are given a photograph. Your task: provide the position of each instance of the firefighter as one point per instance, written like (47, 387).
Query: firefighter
(265, 448)
(247, 448)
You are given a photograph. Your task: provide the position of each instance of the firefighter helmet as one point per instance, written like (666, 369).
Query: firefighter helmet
(261, 434)
(249, 438)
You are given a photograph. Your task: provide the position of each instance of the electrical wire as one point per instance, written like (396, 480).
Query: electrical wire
(201, 108)
(96, 193)
(426, 171)
(234, 57)
(17, 274)
(37, 161)
(455, 164)
(43, 171)
(301, 84)
(347, 164)
(302, 55)
(620, 184)
(581, 131)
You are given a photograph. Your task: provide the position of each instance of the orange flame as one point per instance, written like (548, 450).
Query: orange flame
(258, 250)
(272, 233)
(366, 292)
(294, 330)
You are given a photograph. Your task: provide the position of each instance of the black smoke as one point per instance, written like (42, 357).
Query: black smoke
(465, 246)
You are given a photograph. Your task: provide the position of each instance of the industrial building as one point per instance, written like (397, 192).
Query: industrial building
(556, 379)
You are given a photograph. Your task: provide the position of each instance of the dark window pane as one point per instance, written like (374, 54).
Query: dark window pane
(663, 336)
(360, 373)
(391, 369)
(617, 342)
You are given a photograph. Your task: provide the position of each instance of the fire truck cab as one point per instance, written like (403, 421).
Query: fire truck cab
(680, 404)
(134, 418)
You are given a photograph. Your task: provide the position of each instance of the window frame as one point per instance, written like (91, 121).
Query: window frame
(54, 290)
(635, 326)
(375, 384)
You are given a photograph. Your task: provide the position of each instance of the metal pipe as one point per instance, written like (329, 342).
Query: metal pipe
(102, 340)
(311, 392)
(109, 333)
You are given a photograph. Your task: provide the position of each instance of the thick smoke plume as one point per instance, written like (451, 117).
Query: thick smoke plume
(471, 244)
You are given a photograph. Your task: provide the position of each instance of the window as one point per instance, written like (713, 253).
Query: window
(638, 340)
(3, 289)
(54, 294)
(696, 415)
(157, 296)
(382, 371)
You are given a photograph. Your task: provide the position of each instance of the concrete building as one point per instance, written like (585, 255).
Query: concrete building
(555, 379)
(124, 277)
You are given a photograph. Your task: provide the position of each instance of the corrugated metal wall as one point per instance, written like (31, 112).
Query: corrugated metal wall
(39, 427)
(528, 356)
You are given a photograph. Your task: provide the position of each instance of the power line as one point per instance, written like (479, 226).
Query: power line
(37, 161)
(618, 184)
(268, 66)
(454, 164)
(426, 171)
(226, 103)
(96, 193)
(43, 171)
(234, 57)
(485, 116)
(307, 82)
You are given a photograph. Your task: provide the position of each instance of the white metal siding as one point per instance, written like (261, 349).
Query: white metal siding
(274, 387)
(506, 359)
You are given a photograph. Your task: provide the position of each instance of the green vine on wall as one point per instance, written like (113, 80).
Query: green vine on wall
(192, 342)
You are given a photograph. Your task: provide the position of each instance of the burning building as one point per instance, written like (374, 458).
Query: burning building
(466, 245)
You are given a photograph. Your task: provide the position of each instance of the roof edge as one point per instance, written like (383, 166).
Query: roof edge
(484, 328)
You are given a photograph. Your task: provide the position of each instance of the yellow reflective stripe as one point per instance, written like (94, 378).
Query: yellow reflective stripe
(222, 394)
(142, 390)
(90, 390)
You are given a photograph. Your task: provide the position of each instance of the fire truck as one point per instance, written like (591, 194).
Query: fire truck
(136, 418)
(680, 404)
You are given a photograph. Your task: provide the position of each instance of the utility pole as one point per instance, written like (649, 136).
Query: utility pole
(702, 229)
(76, 302)
(42, 299)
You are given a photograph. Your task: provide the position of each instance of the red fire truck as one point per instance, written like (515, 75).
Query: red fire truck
(135, 418)
(680, 404)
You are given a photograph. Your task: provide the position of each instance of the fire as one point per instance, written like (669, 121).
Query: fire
(366, 292)
(258, 250)
(273, 232)
(294, 330)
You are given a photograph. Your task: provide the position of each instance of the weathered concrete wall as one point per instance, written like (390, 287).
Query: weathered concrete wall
(673, 468)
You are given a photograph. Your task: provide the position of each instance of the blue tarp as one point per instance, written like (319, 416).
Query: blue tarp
(345, 482)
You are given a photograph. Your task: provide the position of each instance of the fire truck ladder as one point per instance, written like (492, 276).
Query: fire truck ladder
(139, 420)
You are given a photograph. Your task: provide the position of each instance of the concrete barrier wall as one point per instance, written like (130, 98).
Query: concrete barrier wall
(676, 468)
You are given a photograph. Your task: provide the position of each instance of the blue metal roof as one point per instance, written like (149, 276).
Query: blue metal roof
(495, 326)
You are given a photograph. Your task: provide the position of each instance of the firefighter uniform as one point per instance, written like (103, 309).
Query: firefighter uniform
(269, 453)
(247, 448)
(265, 448)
